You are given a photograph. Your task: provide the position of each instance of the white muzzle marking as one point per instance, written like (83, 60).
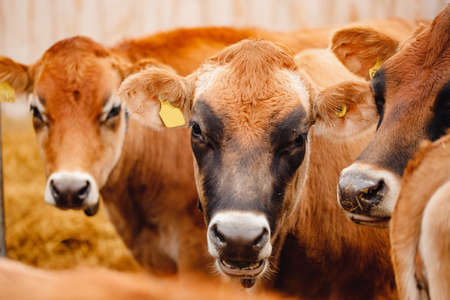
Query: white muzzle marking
(69, 178)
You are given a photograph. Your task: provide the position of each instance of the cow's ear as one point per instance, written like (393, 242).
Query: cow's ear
(16, 74)
(143, 93)
(360, 48)
(344, 110)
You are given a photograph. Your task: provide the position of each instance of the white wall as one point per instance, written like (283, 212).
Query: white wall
(29, 27)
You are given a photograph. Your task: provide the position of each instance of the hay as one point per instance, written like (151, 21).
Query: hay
(41, 235)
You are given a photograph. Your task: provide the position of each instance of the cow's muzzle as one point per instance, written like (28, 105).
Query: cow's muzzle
(367, 195)
(240, 242)
(72, 190)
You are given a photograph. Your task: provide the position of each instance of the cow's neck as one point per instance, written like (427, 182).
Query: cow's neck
(151, 192)
(329, 255)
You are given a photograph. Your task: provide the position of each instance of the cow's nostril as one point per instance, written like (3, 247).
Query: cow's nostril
(84, 191)
(261, 240)
(54, 190)
(373, 194)
(358, 194)
(219, 235)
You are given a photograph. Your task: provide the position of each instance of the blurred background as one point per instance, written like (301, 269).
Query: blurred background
(41, 235)
(29, 27)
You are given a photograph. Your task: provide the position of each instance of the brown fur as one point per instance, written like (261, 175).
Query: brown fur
(413, 75)
(15, 74)
(360, 47)
(19, 282)
(317, 253)
(149, 192)
(419, 191)
(323, 241)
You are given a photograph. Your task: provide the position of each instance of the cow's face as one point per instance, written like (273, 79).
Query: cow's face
(249, 129)
(412, 94)
(250, 111)
(78, 119)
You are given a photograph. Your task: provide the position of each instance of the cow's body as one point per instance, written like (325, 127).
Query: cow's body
(420, 225)
(412, 94)
(154, 209)
(18, 282)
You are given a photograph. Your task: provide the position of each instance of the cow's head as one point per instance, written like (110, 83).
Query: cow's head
(77, 116)
(250, 110)
(412, 93)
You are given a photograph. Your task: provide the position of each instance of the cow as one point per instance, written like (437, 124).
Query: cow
(89, 148)
(420, 226)
(18, 282)
(269, 136)
(411, 91)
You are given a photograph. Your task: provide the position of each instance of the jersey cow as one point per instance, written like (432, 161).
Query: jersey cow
(89, 148)
(420, 225)
(412, 92)
(269, 136)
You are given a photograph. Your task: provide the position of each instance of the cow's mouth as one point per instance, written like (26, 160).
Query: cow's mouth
(89, 210)
(92, 210)
(382, 222)
(245, 271)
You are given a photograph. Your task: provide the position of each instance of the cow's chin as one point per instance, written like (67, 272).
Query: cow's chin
(374, 221)
(247, 273)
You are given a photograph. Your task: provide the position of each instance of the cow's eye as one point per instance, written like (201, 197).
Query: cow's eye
(114, 112)
(196, 131)
(36, 113)
(300, 140)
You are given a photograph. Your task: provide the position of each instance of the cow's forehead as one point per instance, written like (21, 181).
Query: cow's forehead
(251, 107)
(80, 79)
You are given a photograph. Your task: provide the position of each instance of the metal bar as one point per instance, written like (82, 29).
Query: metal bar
(2, 206)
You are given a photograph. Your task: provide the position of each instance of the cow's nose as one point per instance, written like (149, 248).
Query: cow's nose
(228, 237)
(70, 192)
(359, 193)
(240, 240)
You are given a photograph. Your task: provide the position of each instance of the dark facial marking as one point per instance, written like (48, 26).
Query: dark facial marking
(440, 121)
(378, 86)
(205, 143)
(206, 133)
(210, 124)
(76, 95)
(288, 140)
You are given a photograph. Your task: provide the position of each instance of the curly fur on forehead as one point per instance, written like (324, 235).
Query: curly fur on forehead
(80, 44)
(251, 67)
(73, 62)
(259, 54)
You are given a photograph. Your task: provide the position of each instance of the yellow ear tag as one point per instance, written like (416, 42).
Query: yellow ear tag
(171, 115)
(375, 68)
(7, 93)
(342, 111)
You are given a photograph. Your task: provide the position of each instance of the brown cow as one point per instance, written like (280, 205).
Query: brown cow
(412, 92)
(270, 136)
(420, 224)
(145, 176)
(18, 282)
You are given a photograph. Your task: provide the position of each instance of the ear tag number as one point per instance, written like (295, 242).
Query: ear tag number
(7, 93)
(375, 68)
(171, 115)
(342, 111)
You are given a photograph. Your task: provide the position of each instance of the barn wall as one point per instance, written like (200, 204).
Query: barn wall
(28, 27)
